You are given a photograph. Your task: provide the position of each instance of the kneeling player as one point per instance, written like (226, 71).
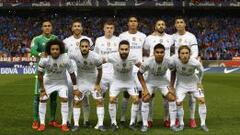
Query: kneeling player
(123, 64)
(188, 81)
(54, 67)
(156, 66)
(87, 62)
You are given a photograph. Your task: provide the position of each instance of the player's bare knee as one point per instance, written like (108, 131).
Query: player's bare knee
(135, 100)
(76, 103)
(43, 101)
(201, 100)
(99, 102)
(179, 103)
(64, 100)
(170, 97)
(113, 100)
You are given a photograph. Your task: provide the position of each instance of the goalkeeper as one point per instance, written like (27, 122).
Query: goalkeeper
(37, 49)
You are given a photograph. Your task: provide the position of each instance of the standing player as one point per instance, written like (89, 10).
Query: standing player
(87, 62)
(104, 46)
(54, 67)
(123, 63)
(183, 37)
(72, 46)
(136, 40)
(157, 67)
(188, 82)
(37, 50)
(159, 36)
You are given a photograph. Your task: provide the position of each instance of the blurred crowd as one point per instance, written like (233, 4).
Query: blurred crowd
(93, 2)
(218, 37)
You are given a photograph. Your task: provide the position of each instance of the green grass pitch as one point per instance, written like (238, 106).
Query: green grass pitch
(222, 93)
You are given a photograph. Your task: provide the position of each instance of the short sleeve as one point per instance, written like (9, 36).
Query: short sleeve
(69, 63)
(42, 64)
(144, 67)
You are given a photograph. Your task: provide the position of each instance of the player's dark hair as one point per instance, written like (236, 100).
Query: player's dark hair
(158, 21)
(124, 42)
(76, 20)
(46, 20)
(109, 22)
(179, 17)
(54, 42)
(84, 40)
(159, 46)
(132, 16)
(183, 47)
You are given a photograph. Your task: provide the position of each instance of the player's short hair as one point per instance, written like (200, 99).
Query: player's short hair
(184, 47)
(76, 20)
(159, 20)
(109, 22)
(46, 20)
(54, 42)
(132, 16)
(124, 42)
(85, 40)
(159, 46)
(179, 17)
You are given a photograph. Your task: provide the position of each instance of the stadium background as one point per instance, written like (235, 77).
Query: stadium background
(216, 24)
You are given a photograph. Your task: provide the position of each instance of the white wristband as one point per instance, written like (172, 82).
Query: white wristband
(75, 87)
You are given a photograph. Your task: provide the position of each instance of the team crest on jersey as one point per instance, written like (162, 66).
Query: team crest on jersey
(185, 41)
(85, 62)
(179, 40)
(78, 44)
(108, 44)
(161, 40)
(134, 39)
(124, 64)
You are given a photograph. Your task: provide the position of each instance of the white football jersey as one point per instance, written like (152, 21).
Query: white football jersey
(55, 69)
(72, 44)
(86, 67)
(186, 76)
(136, 42)
(123, 69)
(153, 40)
(186, 39)
(104, 47)
(156, 71)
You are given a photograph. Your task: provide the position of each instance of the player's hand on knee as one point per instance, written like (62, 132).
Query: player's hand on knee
(75, 88)
(171, 96)
(77, 94)
(171, 90)
(146, 96)
(97, 88)
(43, 95)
